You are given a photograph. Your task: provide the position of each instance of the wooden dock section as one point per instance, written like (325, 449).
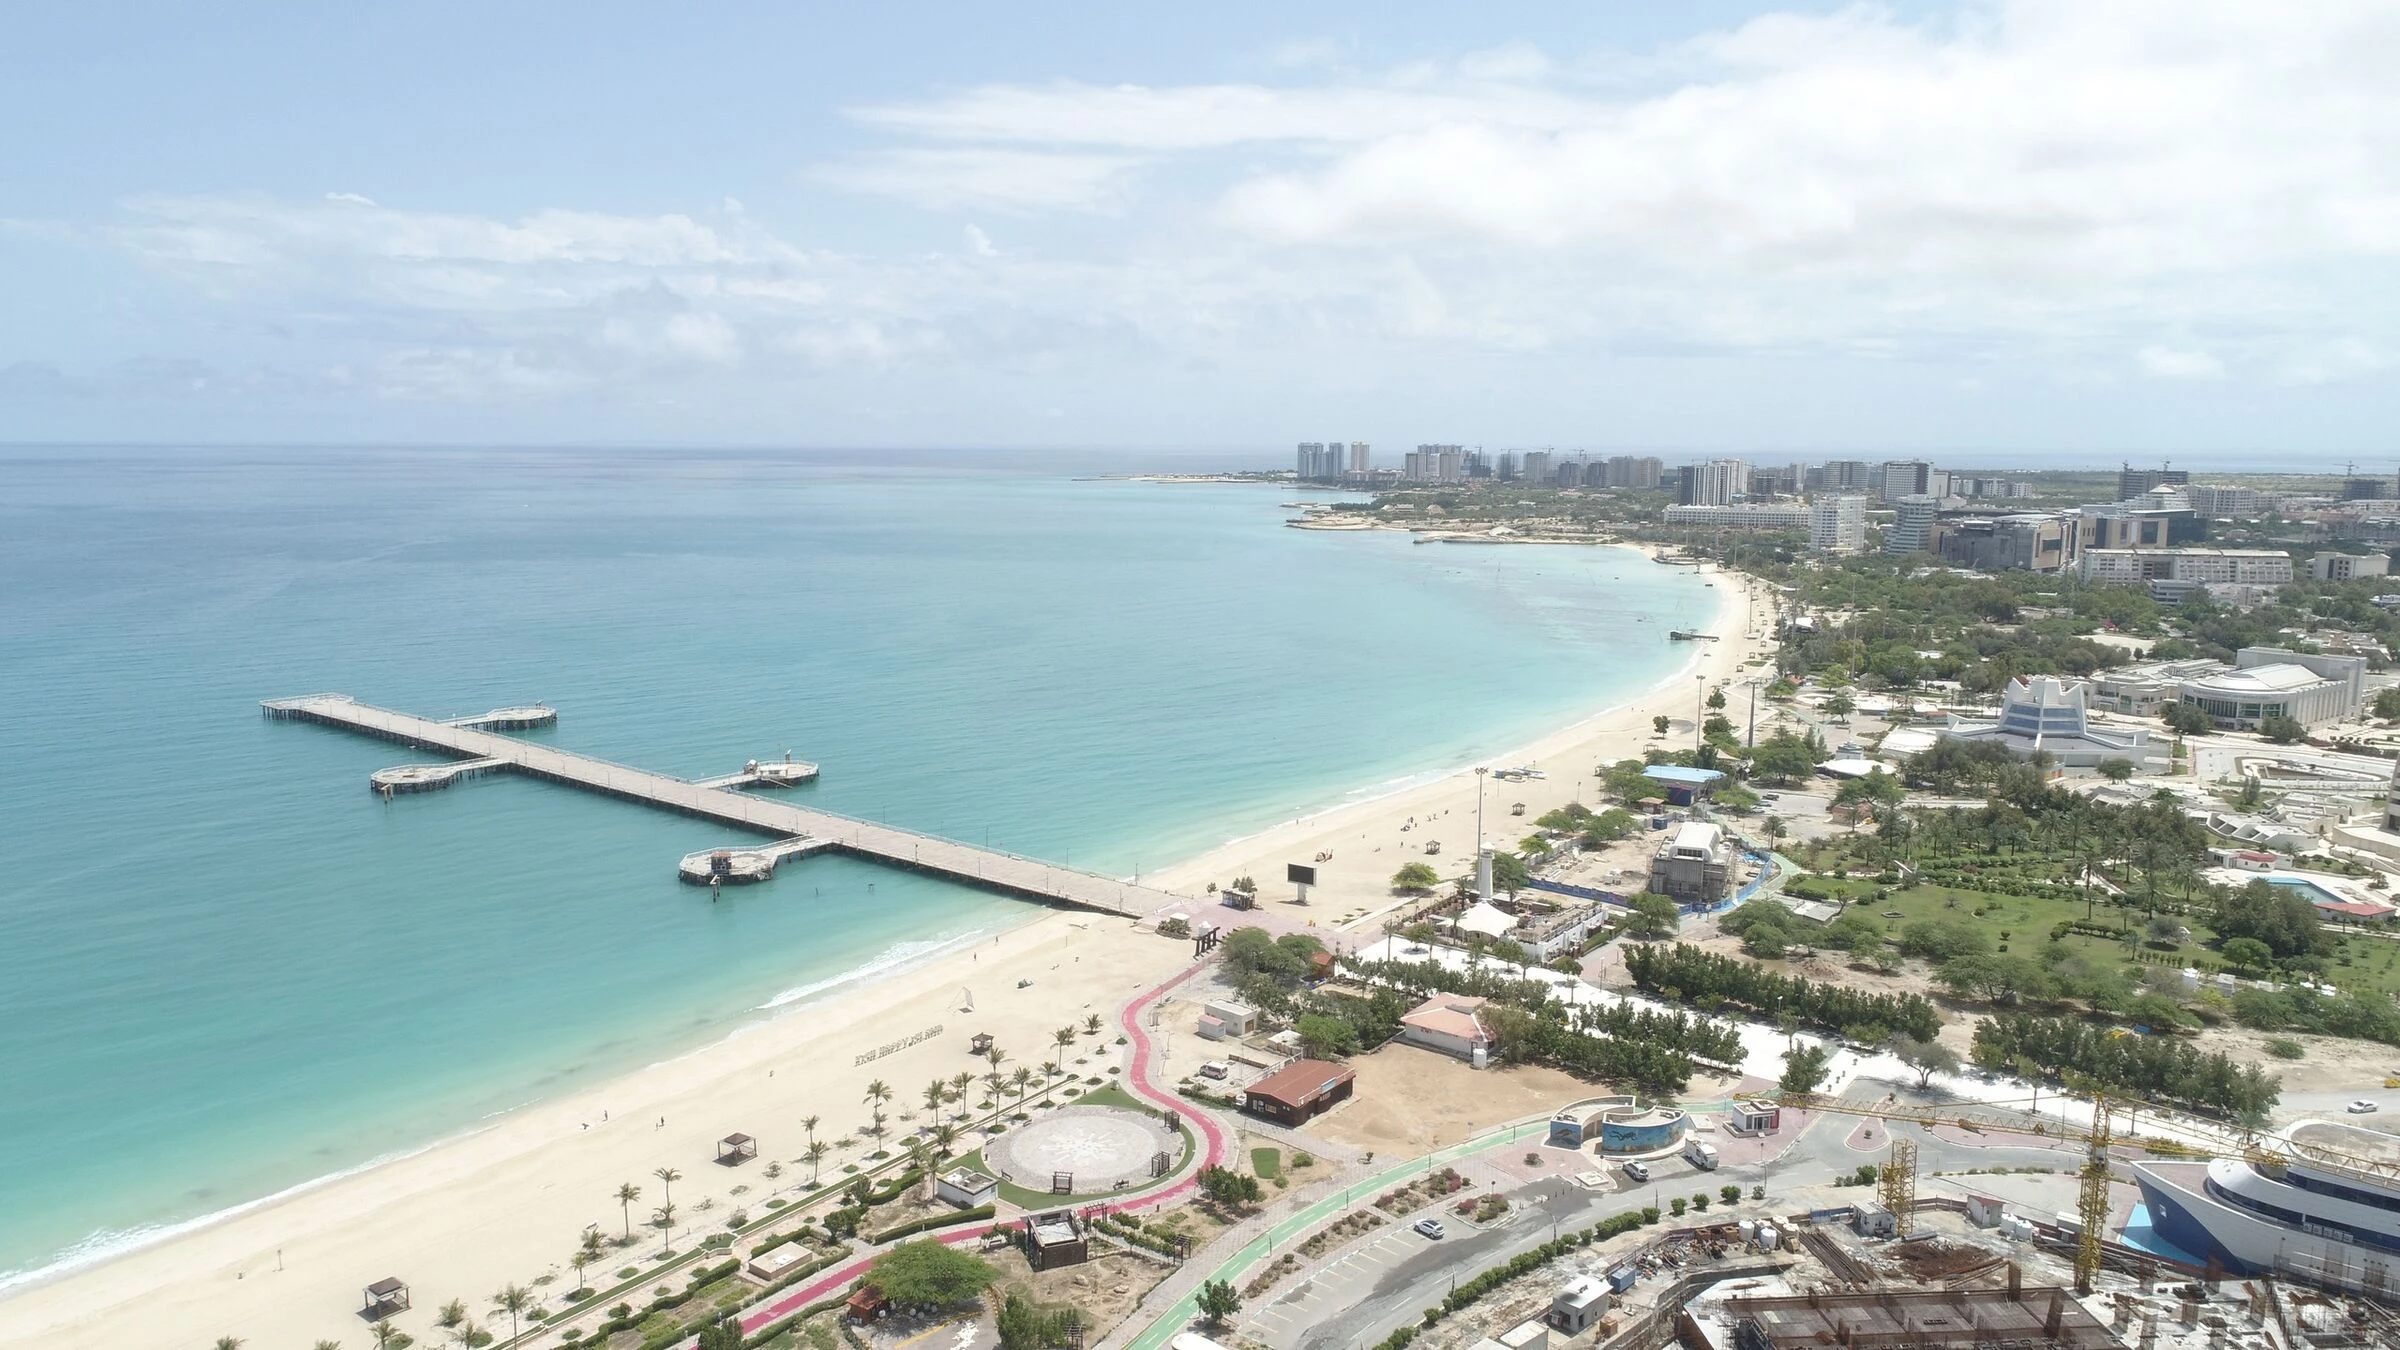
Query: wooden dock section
(991, 869)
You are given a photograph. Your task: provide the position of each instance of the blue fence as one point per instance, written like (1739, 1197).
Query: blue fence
(1569, 888)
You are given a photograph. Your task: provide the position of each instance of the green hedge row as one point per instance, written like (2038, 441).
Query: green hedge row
(1526, 1263)
(916, 1226)
(701, 1280)
(783, 1324)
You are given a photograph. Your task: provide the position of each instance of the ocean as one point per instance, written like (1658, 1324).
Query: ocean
(227, 969)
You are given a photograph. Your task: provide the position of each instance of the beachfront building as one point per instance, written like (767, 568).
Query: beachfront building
(1745, 516)
(1912, 525)
(1299, 1091)
(2348, 566)
(1837, 523)
(1450, 1024)
(1694, 868)
(2310, 688)
(2045, 715)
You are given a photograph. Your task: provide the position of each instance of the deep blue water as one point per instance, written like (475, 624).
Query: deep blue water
(225, 968)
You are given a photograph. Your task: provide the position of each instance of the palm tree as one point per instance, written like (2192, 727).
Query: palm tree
(663, 1219)
(468, 1335)
(585, 1253)
(1062, 1038)
(385, 1334)
(810, 1123)
(814, 1155)
(626, 1195)
(1091, 1025)
(959, 1083)
(229, 1343)
(667, 1177)
(878, 1092)
(515, 1300)
(936, 1093)
(944, 1136)
(995, 1057)
(920, 1158)
(328, 1345)
(875, 1127)
(452, 1316)
(1023, 1078)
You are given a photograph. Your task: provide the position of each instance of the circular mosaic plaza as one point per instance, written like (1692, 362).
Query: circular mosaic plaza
(1102, 1148)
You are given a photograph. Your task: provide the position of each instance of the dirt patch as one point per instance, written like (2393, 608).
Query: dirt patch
(1939, 1258)
(1407, 1100)
(1106, 1288)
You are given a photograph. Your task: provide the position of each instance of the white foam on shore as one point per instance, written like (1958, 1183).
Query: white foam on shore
(108, 1244)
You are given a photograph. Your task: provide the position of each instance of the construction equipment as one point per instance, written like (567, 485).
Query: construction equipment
(1898, 1180)
(2091, 1201)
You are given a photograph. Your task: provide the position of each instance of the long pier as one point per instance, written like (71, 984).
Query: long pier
(991, 869)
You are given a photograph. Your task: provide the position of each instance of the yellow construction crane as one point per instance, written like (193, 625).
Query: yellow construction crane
(2091, 1200)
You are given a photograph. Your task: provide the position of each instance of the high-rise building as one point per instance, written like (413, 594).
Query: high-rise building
(1843, 475)
(2225, 501)
(1640, 472)
(1359, 462)
(1838, 523)
(2349, 566)
(1506, 469)
(1897, 478)
(2133, 482)
(1537, 466)
(1912, 527)
(1451, 465)
(1715, 482)
(1577, 473)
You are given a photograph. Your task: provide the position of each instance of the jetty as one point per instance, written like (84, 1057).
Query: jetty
(793, 829)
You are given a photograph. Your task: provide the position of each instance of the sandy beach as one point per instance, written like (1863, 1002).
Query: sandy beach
(507, 1203)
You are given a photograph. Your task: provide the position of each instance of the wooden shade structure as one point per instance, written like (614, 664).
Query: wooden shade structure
(735, 1149)
(386, 1297)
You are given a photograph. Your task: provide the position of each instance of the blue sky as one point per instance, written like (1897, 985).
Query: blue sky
(2024, 228)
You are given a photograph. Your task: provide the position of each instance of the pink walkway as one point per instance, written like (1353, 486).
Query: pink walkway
(1137, 1081)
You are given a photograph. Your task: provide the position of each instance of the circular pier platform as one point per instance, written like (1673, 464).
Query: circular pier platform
(424, 777)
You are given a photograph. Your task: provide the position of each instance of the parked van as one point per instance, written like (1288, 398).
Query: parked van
(1701, 1154)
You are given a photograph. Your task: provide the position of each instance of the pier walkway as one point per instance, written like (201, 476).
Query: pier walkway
(988, 868)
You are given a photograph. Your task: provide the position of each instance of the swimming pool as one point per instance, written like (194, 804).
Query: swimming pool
(2317, 895)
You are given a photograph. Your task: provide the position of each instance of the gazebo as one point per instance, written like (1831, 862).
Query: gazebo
(735, 1149)
(386, 1297)
(981, 1044)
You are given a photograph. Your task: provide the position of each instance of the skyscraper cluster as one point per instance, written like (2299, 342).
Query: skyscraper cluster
(1331, 461)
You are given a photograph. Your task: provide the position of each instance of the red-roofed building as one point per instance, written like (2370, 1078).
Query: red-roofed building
(1452, 1024)
(1299, 1090)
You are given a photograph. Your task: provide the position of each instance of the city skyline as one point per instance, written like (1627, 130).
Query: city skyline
(2009, 230)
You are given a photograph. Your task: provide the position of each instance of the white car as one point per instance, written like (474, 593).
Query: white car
(2363, 1107)
(1638, 1171)
(1431, 1228)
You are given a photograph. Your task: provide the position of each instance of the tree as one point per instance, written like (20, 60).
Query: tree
(2187, 719)
(723, 1332)
(515, 1300)
(1993, 978)
(878, 1092)
(1774, 828)
(1324, 1037)
(1926, 1057)
(663, 1219)
(626, 1195)
(1228, 1187)
(2248, 953)
(1659, 724)
(229, 1343)
(2115, 768)
(1730, 1194)
(1652, 915)
(1218, 1302)
(814, 1156)
(1091, 1025)
(2387, 703)
(2278, 916)
(587, 1253)
(1716, 700)
(2281, 730)
(1062, 1038)
(386, 1336)
(936, 1093)
(667, 1177)
(1416, 878)
(1022, 1079)
(1803, 1069)
(928, 1274)
(1839, 706)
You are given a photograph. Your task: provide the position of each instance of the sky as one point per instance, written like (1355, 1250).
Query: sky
(2014, 229)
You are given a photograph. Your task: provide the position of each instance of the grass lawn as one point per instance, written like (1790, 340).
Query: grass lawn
(1267, 1163)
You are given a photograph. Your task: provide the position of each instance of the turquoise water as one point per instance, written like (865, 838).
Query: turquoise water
(225, 968)
(2314, 893)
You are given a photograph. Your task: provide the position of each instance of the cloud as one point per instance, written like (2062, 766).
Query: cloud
(2169, 363)
(976, 177)
(980, 244)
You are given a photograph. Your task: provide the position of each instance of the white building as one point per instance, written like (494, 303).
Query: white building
(1744, 516)
(2267, 682)
(1912, 525)
(2225, 501)
(1451, 1024)
(2349, 566)
(2046, 715)
(2205, 566)
(1716, 482)
(1838, 524)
